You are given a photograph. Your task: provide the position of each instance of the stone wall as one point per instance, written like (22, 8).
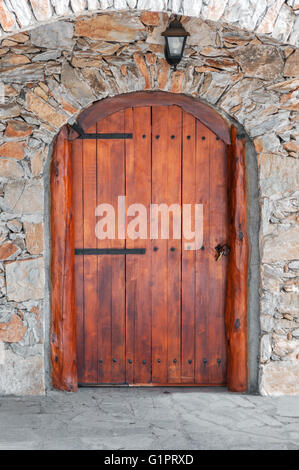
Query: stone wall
(53, 72)
(276, 18)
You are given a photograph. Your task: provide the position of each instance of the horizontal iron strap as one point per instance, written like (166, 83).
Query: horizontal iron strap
(110, 251)
(106, 136)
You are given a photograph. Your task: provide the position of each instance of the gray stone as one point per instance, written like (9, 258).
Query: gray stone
(22, 73)
(279, 378)
(214, 10)
(267, 323)
(152, 5)
(260, 61)
(20, 376)
(282, 246)
(244, 12)
(190, 7)
(294, 265)
(14, 225)
(9, 111)
(278, 175)
(25, 279)
(201, 34)
(22, 11)
(23, 197)
(266, 348)
(72, 82)
(61, 6)
(274, 122)
(48, 55)
(294, 36)
(10, 168)
(284, 24)
(58, 35)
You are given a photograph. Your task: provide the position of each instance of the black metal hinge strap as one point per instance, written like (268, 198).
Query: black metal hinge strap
(105, 136)
(111, 135)
(110, 251)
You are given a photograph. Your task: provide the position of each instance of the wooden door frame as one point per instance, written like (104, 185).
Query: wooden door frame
(63, 314)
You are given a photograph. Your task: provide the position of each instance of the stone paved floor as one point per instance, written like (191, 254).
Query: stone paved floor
(121, 418)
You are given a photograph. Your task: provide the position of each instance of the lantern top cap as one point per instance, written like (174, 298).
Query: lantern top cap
(175, 29)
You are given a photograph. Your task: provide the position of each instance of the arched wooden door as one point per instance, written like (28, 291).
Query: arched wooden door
(148, 311)
(156, 316)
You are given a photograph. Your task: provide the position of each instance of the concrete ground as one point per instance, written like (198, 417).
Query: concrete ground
(149, 418)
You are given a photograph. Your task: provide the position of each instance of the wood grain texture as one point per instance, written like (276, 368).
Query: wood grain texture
(207, 115)
(77, 181)
(236, 300)
(138, 268)
(63, 318)
(188, 256)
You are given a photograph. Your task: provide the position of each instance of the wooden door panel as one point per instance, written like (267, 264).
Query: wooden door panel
(166, 263)
(138, 267)
(217, 273)
(91, 300)
(111, 268)
(77, 172)
(156, 318)
(189, 196)
(203, 256)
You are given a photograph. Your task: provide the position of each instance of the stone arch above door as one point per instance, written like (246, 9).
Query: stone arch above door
(51, 85)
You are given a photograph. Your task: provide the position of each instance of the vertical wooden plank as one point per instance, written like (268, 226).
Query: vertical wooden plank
(159, 248)
(131, 281)
(111, 268)
(236, 301)
(188, 257)
(138, 267)
(91, 300)
(166, 261)
(63, 322)
(77, 175)
(202, 256)
(218, 269)
(174, 182)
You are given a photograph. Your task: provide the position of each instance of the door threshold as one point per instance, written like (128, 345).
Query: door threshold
(151, 385)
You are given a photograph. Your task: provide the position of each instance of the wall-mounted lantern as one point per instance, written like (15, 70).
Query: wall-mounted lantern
(175, 41)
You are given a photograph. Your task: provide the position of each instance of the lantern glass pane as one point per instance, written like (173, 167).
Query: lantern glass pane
(175, 45)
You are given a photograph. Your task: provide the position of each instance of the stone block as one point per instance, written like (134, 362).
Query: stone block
(44, 111)
(21, 376)
(260, 61)
(23, 197)
(281, 246)
(117, 27)
(25, 279)
(292, 65)
(13, 150)
(280, 378)
(10, 169)
(58, 35)
(34, 238)
(13, 331)
(8, 250)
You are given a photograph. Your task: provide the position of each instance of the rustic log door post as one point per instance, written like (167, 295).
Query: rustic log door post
(236, 300)
(63, 319)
